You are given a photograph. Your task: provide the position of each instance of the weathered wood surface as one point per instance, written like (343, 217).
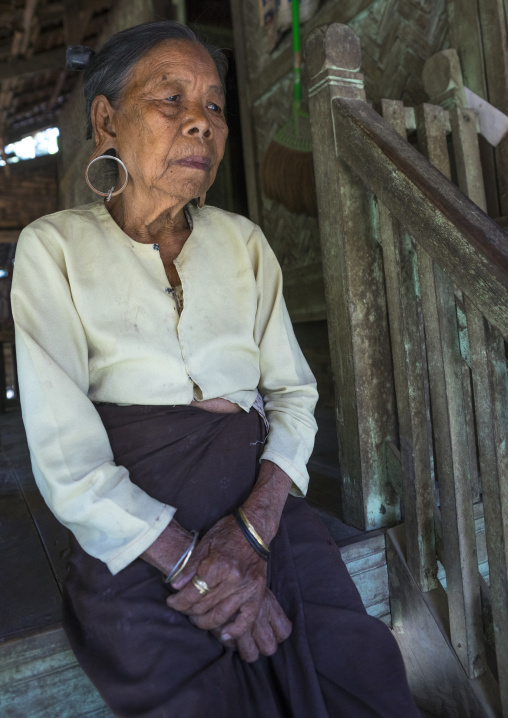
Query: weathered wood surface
(490, 381)
(352, 266)
(420, 625)
(409, 379)
(248, 138)
(40, 678)
(15, 459)
(23, 563)
(492, 15)
(452, 229)
(465, 37)
(449, 427)
(444, 83)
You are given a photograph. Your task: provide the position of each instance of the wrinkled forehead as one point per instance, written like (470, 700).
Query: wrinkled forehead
(170, 61)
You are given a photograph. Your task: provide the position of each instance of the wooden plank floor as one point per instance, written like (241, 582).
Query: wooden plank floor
(39, 675)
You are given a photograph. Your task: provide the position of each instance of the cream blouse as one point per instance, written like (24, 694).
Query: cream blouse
(96, 321)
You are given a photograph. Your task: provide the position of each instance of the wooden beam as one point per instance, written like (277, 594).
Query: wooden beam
(466, 38)
(49, 60)
(21, 129)
(9, 236)
(248, 136)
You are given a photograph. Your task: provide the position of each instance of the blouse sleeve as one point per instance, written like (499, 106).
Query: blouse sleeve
(72, 461)
(287, 384)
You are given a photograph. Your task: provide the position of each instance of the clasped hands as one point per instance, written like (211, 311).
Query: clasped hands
(239, 609)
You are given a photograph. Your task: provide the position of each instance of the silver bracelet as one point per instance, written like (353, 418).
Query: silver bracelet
(183, 560)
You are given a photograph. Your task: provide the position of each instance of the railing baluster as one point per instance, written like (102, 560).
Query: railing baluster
(490, 382)
(450, 435)
(409, 385)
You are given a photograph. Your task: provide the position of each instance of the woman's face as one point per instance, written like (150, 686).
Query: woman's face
(169, 121)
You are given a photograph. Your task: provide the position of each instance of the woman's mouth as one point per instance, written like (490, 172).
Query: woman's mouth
(196, 162)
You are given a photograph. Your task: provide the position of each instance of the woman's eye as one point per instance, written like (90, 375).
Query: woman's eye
(216, 108)
(173, 98)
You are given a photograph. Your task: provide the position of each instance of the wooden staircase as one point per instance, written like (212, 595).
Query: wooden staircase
(416, 281)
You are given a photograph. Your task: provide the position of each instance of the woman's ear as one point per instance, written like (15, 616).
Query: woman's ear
(103, 121)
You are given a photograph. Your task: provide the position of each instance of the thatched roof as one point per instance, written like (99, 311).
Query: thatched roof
(34, 83)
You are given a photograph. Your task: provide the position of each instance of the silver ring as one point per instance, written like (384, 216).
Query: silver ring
(201, 585)
(110, 192)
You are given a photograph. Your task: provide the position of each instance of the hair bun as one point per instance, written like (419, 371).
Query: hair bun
(77, 57)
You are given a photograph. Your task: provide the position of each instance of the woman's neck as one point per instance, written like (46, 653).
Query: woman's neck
(150, 222)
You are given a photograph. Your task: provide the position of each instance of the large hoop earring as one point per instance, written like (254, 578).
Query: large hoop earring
(110, 192)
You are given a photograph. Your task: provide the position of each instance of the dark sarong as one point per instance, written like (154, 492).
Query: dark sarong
(150, 661)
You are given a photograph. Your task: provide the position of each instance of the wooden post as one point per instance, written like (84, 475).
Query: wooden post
(248, 142)
(353, 275)
(409, 374)
(450, 434)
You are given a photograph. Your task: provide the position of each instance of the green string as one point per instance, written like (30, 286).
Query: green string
(297, 88)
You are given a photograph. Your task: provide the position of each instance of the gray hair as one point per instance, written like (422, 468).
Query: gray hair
(108, 70)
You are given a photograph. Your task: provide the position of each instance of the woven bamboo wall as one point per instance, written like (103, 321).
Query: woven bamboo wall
(397, 37)
(75, 150)
(28, 192)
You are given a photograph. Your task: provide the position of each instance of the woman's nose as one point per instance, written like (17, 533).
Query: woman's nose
(196, 122)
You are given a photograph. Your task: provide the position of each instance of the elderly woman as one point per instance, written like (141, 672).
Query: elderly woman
(169, 413)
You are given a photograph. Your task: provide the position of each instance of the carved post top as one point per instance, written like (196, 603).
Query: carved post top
(442, 80)
(333, 58)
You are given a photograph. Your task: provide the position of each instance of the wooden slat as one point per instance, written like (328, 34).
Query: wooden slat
(420, 625)
(352, 268)
(15, 457)
(453, 230)
(444, 83)
(476, 487)
(40, 678)
(495, 50)
(49, 60)
(23, 566)
(465, 37)
(450, 435)
(409, 384)
(490, 381)
(248, 140)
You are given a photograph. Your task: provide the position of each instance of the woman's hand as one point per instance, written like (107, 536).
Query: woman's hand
(270, 628)
(229, 565)
(236, 576)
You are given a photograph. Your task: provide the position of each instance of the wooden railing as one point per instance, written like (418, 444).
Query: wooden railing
(416, 279)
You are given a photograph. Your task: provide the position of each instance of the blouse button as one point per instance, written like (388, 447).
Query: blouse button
(168, 290)
(156, 247)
